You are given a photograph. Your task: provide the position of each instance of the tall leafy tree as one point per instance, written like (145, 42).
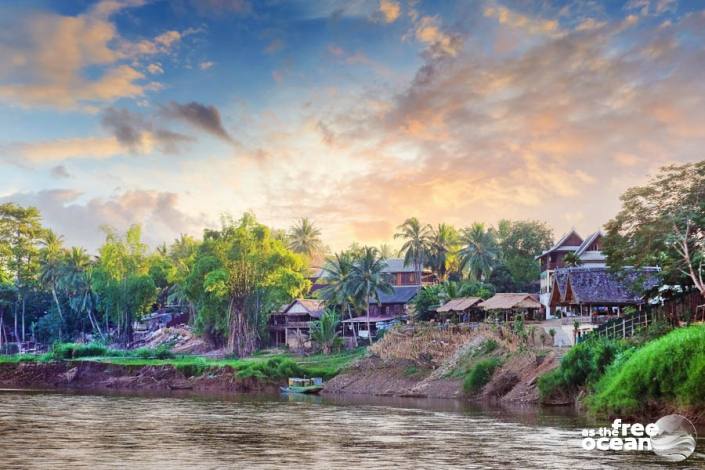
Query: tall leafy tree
(520, 241)
(20, 236)
(324, 331)
(480, 250)
(77, 281)
(367, 280)
(305, 238)
(122, 281)
(663, 224)
(416, 237)
(246, 270)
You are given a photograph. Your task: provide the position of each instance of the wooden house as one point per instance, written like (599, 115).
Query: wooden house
(290, 326)
(588, 291)
(391, 308)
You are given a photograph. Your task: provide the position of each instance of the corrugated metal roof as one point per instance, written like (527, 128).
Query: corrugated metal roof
(401, 295)
(396, 265)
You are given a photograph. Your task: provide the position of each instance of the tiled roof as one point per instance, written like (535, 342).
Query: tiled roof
(593, 285)
(401, 295)
(459, 305)
(506, 301)
(396, 265)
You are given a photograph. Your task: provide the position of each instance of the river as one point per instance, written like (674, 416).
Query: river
(57, 430)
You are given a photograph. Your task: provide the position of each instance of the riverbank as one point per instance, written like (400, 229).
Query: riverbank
(263, 373)
(484, 364)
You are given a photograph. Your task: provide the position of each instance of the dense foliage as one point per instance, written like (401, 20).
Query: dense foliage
(663, 224)
(481, 374)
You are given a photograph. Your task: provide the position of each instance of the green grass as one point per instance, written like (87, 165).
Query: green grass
(261, 365)
(468, 361)
(667, 371)
(481, 374)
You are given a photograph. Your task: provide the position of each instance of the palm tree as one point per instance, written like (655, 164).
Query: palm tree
(336, 273)
(442, 240)
(76, 280)
(304, 237)
(51, 265)
(480, 250)
(324, 331)
(572, 260)
(415, 248)
(367, 280)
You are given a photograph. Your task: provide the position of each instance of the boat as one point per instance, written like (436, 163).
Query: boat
(307, 386)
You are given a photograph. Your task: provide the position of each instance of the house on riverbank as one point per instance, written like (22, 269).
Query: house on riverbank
(290, 326)
(508, 305)
(463, 309)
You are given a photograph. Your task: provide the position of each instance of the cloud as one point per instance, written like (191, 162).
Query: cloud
(60, 171)
(511, 18)
(69, 213)
(203, 117)
(51, 151)
(74, 61)
(205, 65)
(390, 10)
(139, 135)
(155, 69)
(429, 32)
(651, 7)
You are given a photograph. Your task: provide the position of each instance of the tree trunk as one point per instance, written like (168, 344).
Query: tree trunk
(56, 301)
(241, 338)
(23, 329)
(17, 331)
(352, 325)
(367, 309)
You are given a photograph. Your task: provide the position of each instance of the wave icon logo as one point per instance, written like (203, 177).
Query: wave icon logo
(675, 438)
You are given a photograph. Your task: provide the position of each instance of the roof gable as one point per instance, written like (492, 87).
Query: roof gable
(506, 301)
(568, 242)
(313, 307)
(460, 304)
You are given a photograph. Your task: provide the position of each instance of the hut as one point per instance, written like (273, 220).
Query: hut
(511, 304)
(463, 309)
(290, 326)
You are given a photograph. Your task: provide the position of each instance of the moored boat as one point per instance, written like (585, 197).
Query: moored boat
(308, 386)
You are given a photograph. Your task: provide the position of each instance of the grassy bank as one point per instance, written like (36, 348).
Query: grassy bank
(667, 372)
(261, 366)
(632, 378)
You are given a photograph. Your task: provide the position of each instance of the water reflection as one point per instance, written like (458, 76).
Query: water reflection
(49, 430)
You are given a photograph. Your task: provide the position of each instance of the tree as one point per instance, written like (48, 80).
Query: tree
(121, 279)
(572, 260)
(479, 252)
(337, 290)
(20, 236)
(442, 243)
(305, 238)
(502, 280)
(520, 242)
(416, 243)
(241, 274)
(324, 331)
(51, 266)
(76, 279)
(663, 224)
(367, 280)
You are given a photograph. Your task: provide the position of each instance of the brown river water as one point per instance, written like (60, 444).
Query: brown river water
(46, 430)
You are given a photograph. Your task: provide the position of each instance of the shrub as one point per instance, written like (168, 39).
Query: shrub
(160, 352)
(582, 366)
(274, 368)
(480, 375)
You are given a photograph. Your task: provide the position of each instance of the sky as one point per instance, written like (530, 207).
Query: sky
(354, 113)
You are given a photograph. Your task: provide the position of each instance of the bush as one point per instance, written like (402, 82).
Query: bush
(480, 375)
(75, 350)
(274, 368)
(582, 366)
(160, 352)
(669, 370)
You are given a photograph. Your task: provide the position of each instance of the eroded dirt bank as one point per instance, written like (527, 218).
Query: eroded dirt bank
(433, 363)
(83, 375)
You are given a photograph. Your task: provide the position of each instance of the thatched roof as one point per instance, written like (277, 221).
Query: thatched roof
(459, 305)
(508, 301)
